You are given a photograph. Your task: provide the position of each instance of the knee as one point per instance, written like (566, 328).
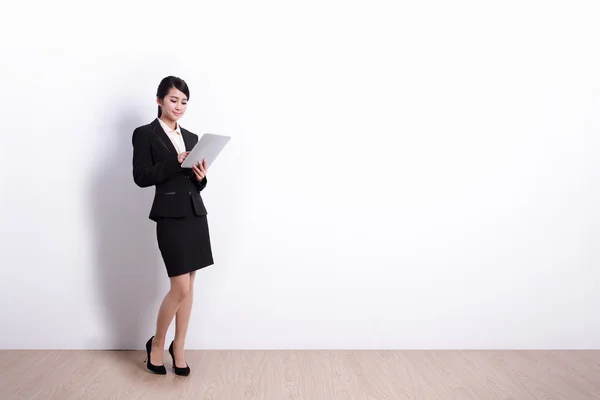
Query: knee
(180, 292)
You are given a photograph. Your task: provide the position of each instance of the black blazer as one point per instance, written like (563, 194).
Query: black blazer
(155, 163)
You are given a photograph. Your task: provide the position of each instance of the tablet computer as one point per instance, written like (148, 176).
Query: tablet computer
(208, 148)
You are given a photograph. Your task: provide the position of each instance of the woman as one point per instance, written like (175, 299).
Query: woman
(182, 232)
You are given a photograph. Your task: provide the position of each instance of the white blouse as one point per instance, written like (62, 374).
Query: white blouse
(175, 136)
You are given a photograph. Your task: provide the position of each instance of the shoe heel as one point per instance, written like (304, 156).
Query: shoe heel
(185, 371)
(157, 369)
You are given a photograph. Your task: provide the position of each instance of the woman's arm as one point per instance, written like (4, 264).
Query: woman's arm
(145, 171)
(200, 185)
(200, 175)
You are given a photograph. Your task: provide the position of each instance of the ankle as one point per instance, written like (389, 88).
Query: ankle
(178, 344)
(158, 343)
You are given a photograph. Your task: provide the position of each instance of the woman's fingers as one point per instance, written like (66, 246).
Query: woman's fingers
(202, 166)
(199, 174)
(182, 156)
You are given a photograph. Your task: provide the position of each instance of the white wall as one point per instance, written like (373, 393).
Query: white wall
(401, 174)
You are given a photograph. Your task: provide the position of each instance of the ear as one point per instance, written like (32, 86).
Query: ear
(159, 101)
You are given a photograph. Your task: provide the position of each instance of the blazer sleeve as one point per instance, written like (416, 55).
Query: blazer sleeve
(200, 185)
(145, 171)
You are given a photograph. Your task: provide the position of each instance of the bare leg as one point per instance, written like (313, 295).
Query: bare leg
(182, 321)
(180, 287)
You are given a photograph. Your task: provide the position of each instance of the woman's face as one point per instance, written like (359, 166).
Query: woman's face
(173, 105)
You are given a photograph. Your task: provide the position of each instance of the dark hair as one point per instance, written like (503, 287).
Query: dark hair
(167, 84)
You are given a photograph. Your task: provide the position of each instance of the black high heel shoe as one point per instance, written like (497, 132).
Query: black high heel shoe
(185, 371)
(157, 369)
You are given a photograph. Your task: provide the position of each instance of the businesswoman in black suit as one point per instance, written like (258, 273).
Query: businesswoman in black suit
(182, 231)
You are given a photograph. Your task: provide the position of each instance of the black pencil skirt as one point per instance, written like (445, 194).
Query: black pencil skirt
(184, 244)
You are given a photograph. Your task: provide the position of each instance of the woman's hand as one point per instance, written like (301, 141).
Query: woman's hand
(200, 170)
(182, 156)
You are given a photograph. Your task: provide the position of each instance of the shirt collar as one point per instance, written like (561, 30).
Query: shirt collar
(168, 129)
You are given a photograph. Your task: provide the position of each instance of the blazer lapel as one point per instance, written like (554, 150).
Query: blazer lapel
(162, 135)
(188, 140)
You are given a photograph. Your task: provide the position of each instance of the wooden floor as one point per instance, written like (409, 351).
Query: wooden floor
(304, 375)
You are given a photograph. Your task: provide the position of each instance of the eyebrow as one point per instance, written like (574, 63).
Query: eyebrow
(177, 97)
